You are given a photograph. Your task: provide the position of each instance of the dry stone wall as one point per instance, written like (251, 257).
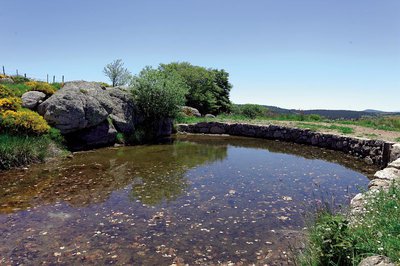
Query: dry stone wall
(372, 151)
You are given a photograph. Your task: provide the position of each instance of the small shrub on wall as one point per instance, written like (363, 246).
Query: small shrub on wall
(23, 122)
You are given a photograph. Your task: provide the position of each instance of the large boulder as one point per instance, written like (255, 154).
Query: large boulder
(376, 261)
(80, 105)
(6, 80)
(32, 99)
(101, 135)
(395, 152)
(190, 111)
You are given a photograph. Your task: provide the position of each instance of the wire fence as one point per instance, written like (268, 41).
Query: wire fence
(45, 78)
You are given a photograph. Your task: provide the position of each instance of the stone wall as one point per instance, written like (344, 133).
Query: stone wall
(372, 151)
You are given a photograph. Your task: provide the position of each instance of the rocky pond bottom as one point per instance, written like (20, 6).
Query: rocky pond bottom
(199, 200)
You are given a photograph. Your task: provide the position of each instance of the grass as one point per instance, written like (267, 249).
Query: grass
(397, 139)
(16, 151)
(315, 127)
(21, 88)
(241, 118)
(331, 241)
(389, 123)
(17, 88)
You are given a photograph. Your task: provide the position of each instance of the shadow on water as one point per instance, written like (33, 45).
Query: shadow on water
(198, 200)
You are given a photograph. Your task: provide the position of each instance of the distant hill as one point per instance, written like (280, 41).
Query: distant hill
(332, 114)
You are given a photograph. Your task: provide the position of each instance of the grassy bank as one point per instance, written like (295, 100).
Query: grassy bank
(17, 151)
(331, 241)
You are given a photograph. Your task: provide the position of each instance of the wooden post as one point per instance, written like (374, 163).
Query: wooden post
(62, 79)
(47, 78)
(17, 72)
(25, 75)
(54, 79)
(4, 71)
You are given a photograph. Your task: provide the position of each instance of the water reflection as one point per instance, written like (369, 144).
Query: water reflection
(201, 200)
(156, 173)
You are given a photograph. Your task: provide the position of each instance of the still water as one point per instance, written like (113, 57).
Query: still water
(198, 200)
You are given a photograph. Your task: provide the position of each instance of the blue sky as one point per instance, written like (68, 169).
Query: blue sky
(335, 54)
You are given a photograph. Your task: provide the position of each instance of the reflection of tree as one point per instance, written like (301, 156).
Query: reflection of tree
(91, 177)
(166, 179)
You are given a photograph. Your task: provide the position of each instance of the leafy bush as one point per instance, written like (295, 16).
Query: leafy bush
(41, 86)
(252, 110)
(2, 76)
(20, 150)
(157, 94)
(55, 135)
(6, 92)
(208, 88)
(20, 79)
(23, 122)
(12, 103)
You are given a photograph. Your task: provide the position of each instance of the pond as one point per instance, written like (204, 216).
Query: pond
(198, 200)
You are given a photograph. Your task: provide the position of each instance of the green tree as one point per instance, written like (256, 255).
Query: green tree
(117, 73)
(252, 110)
(158, 94)
(208, 88)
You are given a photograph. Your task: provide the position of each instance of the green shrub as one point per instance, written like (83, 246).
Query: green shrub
(55, 135)
(41, 86)
(157, 94)
(6, 92)
(17, 89)
(252, 110)
(20, 79)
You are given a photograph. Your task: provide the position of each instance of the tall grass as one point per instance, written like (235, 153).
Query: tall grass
(390, 123)
(18, 151)
(331, 241)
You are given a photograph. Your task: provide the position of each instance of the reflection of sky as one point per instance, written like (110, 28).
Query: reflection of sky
(217, 202)
(294, 54)
(283, 174)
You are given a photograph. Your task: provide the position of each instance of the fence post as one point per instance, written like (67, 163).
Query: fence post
(62, 79)
(47, 78)
(54, 79)
(17, 72)
(25, 75)
(4, 71)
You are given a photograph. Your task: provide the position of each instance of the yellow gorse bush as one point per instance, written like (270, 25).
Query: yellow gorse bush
(2, 76)
(12, 103)
(5, 92)
(41, 86)
(23, 122)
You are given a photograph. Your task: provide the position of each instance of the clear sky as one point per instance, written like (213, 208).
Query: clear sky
(333, 54)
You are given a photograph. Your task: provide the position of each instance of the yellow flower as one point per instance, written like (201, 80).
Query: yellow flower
(41, 86)
(24, 122)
